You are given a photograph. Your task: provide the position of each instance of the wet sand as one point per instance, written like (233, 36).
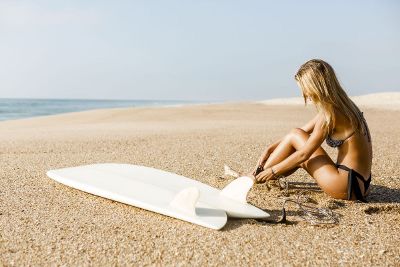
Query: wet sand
(45, 223)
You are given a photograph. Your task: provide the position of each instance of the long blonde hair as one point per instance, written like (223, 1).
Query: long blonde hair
(317, 79)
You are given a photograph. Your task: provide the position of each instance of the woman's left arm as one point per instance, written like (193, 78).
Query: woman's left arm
(313, 142)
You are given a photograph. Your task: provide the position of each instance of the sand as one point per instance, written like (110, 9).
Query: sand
(385, 100)
(45, 223)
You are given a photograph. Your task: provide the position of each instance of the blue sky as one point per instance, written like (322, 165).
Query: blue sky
(193, 50)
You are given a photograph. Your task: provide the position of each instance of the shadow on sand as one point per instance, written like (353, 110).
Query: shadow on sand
(378, 194)
(383, 194)
(276, 215)
(277, 218)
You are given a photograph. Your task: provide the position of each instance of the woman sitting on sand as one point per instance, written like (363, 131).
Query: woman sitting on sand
(340, 122)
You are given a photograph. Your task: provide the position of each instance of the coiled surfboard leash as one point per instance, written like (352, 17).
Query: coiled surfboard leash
(313, 215)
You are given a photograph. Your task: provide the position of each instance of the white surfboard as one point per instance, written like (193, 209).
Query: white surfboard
(163, 192)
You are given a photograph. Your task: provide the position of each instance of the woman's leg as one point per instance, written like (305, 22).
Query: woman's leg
(320, 166)
(282, 151)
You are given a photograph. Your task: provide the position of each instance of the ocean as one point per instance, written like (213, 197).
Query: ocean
(11, 109)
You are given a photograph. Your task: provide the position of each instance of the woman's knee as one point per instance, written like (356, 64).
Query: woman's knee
(298, 131)
(293, 133)
(298, 137)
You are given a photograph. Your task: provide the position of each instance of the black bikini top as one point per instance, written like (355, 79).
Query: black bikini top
(336, 143)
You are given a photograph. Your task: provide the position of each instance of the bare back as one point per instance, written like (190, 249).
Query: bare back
(356, 151)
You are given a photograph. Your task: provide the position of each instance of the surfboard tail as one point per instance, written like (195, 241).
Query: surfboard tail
(238, 189)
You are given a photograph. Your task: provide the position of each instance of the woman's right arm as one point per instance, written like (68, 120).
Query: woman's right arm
(265, 156)
(267, 152)
(309, 126)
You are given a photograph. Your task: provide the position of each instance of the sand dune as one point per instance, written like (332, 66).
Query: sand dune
(385, 100)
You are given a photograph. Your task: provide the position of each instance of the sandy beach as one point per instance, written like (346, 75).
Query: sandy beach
(384, 100)
(45, 223)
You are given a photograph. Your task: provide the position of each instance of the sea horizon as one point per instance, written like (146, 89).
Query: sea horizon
(21, 108)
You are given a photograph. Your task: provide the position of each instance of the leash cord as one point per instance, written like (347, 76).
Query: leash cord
(313, 215)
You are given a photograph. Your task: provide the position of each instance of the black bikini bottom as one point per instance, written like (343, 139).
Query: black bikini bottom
(353, 184)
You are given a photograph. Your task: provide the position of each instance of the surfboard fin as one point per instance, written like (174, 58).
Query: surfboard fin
(186, 200)
(238, 189)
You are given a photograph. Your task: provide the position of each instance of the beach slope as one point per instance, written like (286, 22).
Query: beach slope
(46, 223)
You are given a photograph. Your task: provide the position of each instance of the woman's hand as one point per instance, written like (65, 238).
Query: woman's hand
(257, 170)
(265, 175)
(260, 164)
(264, 157)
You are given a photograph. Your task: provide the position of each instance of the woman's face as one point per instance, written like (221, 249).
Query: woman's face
(307, 96)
